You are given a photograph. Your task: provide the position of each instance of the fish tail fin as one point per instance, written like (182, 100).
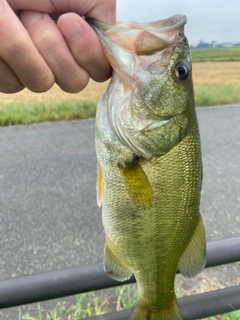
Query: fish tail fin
(141, 312)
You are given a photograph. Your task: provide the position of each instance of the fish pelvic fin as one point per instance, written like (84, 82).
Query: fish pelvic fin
(114, 267)
(99, 185)
(193, 258)
(137, 185)
(141, 312)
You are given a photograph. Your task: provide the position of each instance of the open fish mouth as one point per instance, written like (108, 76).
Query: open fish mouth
(142, 38)
(166, 25)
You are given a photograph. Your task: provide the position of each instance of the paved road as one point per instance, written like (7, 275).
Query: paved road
(48, 213)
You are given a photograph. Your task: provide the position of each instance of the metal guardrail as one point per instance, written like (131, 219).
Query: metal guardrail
(62, 283)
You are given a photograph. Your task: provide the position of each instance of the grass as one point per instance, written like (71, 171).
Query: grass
(88, 305)
(20, 113)
(93, 304)
(216, 54)
(235, 315)
(216, 95)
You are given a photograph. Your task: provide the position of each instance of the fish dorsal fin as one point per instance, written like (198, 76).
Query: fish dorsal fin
(137, 185)
(99, 185)
(147, 43)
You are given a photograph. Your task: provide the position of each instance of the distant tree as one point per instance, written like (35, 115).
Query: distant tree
(213, 44)
(203, 44)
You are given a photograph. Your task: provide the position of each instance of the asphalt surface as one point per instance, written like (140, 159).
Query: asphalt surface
(48, 212)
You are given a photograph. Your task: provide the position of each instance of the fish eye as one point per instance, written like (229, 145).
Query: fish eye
(182, 70)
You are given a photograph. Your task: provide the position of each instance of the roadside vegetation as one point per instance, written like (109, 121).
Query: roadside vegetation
(216, 81)
(94, 304)
(21, 113)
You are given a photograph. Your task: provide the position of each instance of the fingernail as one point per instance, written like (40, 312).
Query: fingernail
(29, 17)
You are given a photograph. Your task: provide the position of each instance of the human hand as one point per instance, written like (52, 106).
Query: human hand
(36, 52)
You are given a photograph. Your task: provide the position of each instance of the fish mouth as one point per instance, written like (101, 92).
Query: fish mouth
(166, 25)
(141, 38)
(131, 46)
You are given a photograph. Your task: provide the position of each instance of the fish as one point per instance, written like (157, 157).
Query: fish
(149, 165)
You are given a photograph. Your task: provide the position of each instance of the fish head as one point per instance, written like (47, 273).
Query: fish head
(153, 81)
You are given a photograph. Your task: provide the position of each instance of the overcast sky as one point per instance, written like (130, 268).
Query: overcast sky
(208, 20)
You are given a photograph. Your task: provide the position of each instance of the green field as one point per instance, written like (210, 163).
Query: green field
(216, 54)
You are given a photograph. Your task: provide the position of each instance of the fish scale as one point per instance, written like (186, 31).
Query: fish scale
(149, 164)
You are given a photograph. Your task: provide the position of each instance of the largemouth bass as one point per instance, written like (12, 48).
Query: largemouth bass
(149, 162)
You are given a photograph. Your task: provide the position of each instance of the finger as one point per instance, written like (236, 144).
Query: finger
(104, 10)
(18, 51)
(9, 82)
(51, 45)
(84, 46)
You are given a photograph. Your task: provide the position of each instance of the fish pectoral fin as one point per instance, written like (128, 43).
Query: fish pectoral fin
(193, 258)
(137, 185)
(113, 265)
(99, 185)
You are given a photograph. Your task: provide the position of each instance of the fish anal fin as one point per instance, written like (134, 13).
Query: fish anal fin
(143, 312)
(113, 265)
(137, 185)
(193, 258)
(99, 185)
